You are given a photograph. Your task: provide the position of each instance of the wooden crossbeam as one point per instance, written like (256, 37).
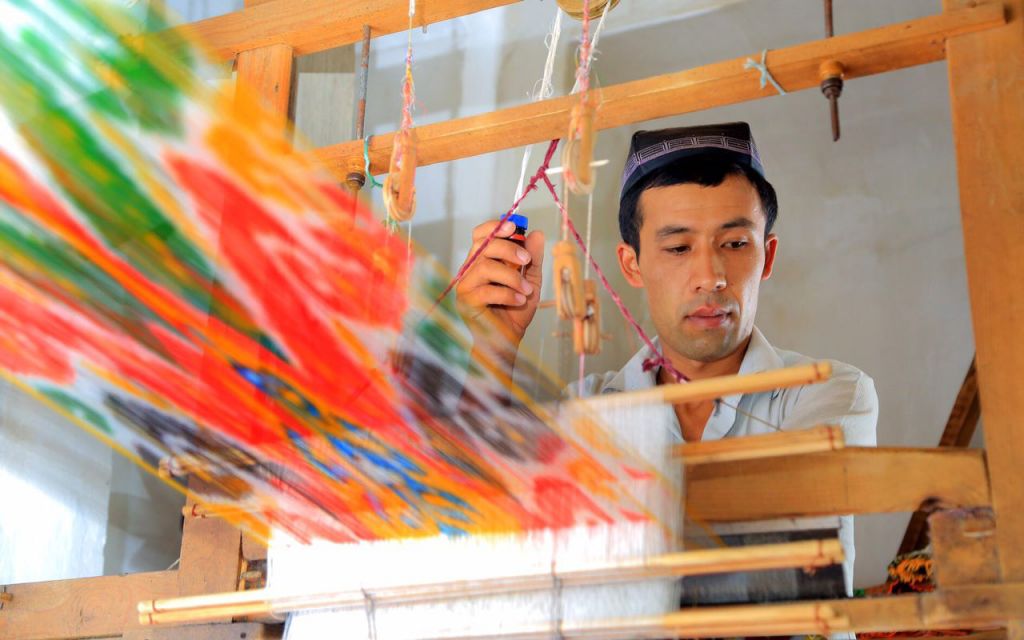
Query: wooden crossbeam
(851, 480)
(864, 53)
(316, 25)
(84, 608)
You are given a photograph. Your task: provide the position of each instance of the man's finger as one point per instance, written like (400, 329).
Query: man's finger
(487, 272)
(481, 231)
(491, 294)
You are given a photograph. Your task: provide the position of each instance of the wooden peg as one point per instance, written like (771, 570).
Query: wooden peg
(568, 281)
(586, 335)
(400, 184)
(574, 8)
(579, 146)
(831, 74)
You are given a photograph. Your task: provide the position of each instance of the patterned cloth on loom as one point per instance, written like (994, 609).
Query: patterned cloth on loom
(176, 279)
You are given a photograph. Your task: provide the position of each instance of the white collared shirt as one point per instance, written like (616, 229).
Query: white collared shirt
(847, 399)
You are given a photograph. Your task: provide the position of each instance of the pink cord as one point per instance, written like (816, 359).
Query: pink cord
(541, 172)
(654, 361)
(658, 359)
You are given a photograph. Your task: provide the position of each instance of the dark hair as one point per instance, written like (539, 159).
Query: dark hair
(708, 170)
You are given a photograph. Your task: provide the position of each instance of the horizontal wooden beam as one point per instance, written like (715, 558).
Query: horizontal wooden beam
(235, 631)
(315, 25)
(852, 480)
(85, 608)
(768, 445)
(865, 53)
(976, 606)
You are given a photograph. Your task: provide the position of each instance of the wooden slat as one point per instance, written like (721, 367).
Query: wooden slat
(88, 607)
(964, 547)
(865, 53)
(769, 445)
(236, 631)
(986, 75)
(852, 480)
(316, 25)
(963, 420)
(211, 553)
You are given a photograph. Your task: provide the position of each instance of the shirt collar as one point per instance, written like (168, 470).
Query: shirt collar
(760, 356)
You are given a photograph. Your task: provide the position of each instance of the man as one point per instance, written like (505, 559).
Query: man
(696, 216)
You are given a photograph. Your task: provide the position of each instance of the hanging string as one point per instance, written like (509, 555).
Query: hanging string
(408, 99)
(657, 359)
(583, 69)
(766, 75)
(366, 164)
(545, 91)
(592, 52)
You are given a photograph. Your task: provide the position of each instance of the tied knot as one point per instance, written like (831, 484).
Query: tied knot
(653, 363)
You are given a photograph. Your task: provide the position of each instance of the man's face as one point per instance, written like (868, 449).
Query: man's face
(703, 255)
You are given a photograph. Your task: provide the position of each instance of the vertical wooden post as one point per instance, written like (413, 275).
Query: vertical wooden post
(986, 76)
(268, 71)
(211, 549)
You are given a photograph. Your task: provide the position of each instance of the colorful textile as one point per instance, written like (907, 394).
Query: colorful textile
(176, 279)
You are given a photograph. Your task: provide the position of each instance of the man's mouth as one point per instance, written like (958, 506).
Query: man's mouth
(708, 317)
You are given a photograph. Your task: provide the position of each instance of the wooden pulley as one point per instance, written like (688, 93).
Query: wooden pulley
(586, 331)
(574, 8)
(579, 146)
(400, 184)
(568, 281)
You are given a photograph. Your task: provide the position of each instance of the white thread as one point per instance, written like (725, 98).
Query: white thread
(412, 8)
(545, 91)
(590, 219)
(593, 43)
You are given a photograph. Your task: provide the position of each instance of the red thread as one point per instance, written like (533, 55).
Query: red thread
(541, 172)
(654, 361)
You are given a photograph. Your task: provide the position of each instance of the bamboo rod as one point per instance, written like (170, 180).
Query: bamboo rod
(864, 53)
(756, 620)
(712, 388)
(809, 554)
(769, 445)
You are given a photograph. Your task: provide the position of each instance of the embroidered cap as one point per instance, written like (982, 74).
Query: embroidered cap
(652, 150)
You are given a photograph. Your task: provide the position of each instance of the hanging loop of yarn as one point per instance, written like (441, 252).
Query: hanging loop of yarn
(587, 330)
(400, 183)
(579, 146)
(568, 281)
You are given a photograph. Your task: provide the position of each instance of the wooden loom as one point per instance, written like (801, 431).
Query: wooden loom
(979, 564)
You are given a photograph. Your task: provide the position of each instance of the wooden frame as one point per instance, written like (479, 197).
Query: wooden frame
(983, 43)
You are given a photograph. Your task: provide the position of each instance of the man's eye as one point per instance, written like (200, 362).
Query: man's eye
(736, 244)
(678, 250)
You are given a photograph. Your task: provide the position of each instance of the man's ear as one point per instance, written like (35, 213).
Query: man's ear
(771, 245)
(629, 263)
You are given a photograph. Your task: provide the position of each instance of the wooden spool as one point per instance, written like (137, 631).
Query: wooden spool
(400, 183)
(579, 146)
(586, 331)
(568, 281)
(574, 8)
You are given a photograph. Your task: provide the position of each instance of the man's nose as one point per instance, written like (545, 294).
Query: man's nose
(710, 275)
